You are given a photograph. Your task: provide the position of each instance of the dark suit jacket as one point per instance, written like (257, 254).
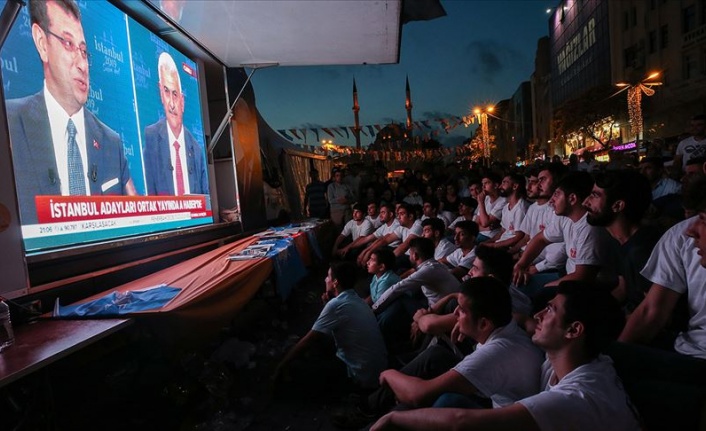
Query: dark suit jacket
(35, 164)
(158, 165)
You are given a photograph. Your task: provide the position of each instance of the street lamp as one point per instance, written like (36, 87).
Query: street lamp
(482, 115)
(635, 101)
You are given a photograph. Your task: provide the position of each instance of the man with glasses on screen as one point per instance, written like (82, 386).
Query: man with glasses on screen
(59, 147)
(174, 160)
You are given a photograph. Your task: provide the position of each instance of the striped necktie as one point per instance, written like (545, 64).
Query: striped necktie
(77, 184)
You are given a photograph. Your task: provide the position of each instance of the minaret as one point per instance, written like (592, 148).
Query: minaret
(408, 107)
(356, 108)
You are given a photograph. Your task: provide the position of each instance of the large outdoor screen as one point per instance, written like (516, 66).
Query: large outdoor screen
(105, 127)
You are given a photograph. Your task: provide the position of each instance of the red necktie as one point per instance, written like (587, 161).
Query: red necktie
(179, 171)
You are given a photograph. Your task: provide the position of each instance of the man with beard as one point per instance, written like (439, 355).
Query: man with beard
(618, 202)
(540, 214)
(512, 188)
(582, 241)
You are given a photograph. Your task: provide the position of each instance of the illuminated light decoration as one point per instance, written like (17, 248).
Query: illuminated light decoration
(635, 102)
(635, 107)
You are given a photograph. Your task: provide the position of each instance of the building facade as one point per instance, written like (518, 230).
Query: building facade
(668, 37)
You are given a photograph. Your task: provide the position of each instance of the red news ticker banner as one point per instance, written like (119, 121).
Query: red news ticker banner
(58, 209)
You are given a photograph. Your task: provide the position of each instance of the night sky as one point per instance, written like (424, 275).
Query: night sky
(478, 53)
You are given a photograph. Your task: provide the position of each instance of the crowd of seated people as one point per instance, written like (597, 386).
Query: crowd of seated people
(543, 297)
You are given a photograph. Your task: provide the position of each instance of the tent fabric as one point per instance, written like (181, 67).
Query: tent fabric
(205, 280)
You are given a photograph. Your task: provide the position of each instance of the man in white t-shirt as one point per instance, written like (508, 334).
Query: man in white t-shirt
(582, 241)
(540, 214)
(433, 228)
(511, 188)
(461, 259)
(504, 367)
(376, 239)
(408, 229)
(358, 227)
(430, 209)
(581, 390)
(490, 208)
(398, 304)
(373, 215)
(694, 145)
(466, 211)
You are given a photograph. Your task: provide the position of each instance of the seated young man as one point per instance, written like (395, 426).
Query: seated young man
(489, 262)
(433, 229)
(466, 209)
(430, 209)
(461, 259)
(504, 367)
(356, 228)
(397, 305)
(377, 239)
(351, 323)
(373, 215)
(583, 242)
(382, 266)
(581, 390)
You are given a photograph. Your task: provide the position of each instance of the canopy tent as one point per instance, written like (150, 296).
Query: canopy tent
(292, 163)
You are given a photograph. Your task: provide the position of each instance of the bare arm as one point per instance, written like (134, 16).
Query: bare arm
(416, 392)
(510, 242)
(436, 324)
(535, 246)
(583, 272)
(514, 417)
(403, 247)
(650, 316)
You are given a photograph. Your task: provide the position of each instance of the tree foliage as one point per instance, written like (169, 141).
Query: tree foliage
(587, 114)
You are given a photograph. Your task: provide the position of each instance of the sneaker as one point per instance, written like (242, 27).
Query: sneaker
(351, 418)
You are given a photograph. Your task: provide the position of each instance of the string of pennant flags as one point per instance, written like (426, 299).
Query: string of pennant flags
(429, 129)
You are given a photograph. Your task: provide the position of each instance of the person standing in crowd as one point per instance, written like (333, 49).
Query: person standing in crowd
(315, 202)
(340, 199)
(694, 145)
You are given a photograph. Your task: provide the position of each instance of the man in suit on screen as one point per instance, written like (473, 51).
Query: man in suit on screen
(60, 148)
(174, 160)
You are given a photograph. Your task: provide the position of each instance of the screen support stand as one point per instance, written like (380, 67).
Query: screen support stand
(226, 119)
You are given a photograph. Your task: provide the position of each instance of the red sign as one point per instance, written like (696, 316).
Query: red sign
(57, 209)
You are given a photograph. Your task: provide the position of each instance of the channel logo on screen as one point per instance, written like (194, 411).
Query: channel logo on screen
(188, 69)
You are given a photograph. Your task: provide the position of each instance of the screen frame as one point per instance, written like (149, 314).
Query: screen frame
(83, 256)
